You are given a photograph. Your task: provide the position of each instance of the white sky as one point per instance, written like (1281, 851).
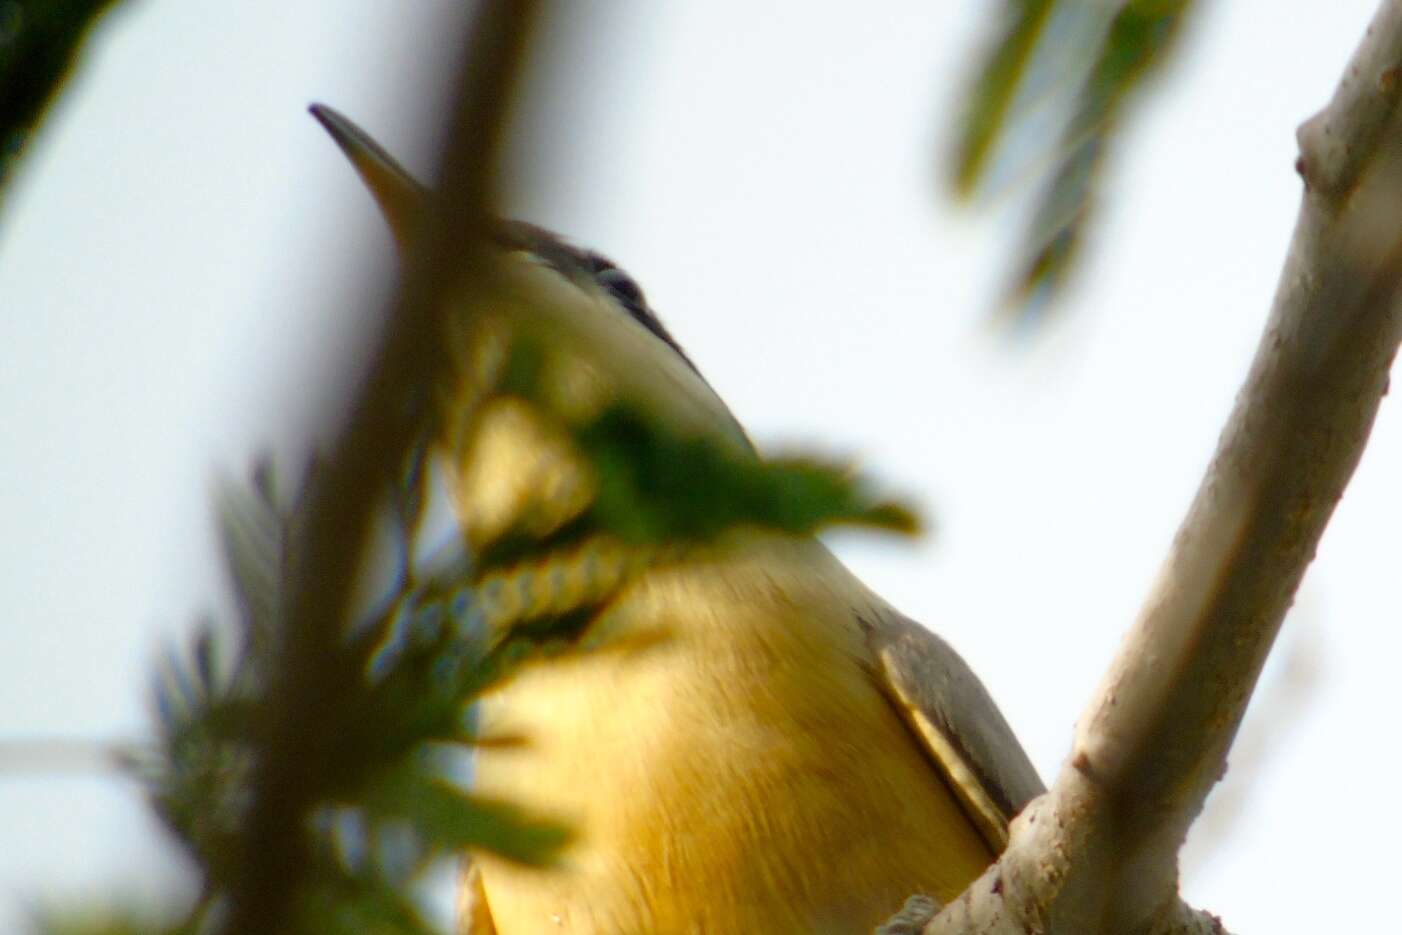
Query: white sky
(184, 250)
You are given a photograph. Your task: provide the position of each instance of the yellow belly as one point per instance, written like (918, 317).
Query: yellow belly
(726, 762)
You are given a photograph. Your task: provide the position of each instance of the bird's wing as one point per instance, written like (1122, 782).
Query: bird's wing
(949, 710)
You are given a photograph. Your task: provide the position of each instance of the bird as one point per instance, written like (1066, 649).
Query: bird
(747, 740)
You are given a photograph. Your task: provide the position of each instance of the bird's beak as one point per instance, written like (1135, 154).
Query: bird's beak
(400, 198)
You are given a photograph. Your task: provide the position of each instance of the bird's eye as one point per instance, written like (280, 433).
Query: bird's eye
(621, 286)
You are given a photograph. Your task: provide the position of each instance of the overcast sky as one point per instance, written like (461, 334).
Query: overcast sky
(184, 256)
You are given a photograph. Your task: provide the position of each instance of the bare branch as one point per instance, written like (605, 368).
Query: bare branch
(1098, 853)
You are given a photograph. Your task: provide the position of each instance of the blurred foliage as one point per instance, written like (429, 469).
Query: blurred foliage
(659, 487)
(383, 794)
(39, 44)
(389, 758)
(1053, 86)
(387, 803)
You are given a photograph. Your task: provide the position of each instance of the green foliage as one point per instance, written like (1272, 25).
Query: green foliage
(39, 42)
(991, 96)
(339, 903)
(1046, 44)
(454, 821)
(385, 759)
(656, 486)
(376, 764)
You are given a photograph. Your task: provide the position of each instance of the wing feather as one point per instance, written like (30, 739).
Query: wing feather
(948, 709)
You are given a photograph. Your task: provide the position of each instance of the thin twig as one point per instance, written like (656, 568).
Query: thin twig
(50, 755)
(303, 706)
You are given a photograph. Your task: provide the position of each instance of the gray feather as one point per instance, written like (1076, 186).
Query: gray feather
(928, 681)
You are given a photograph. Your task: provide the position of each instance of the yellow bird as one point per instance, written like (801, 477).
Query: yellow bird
(748, 740)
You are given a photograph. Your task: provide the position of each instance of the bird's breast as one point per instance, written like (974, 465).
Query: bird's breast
(725, 760)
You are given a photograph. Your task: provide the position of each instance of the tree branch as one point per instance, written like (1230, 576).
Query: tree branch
(1098, 853)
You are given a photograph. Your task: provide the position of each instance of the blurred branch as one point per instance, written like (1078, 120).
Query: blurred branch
(62, 754)
(1099, 852)
(388, 417)
(39, 43)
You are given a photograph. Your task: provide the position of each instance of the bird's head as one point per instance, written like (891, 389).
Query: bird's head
(600, 343)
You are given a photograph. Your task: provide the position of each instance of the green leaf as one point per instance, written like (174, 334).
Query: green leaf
(338, 903)
(252, 537)
(453, 820)
(991, 97)
(658, 487)
(1138, 39)
(1045, 44)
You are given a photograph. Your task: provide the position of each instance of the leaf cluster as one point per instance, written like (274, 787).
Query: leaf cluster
(1101, 53)
(386, 767)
